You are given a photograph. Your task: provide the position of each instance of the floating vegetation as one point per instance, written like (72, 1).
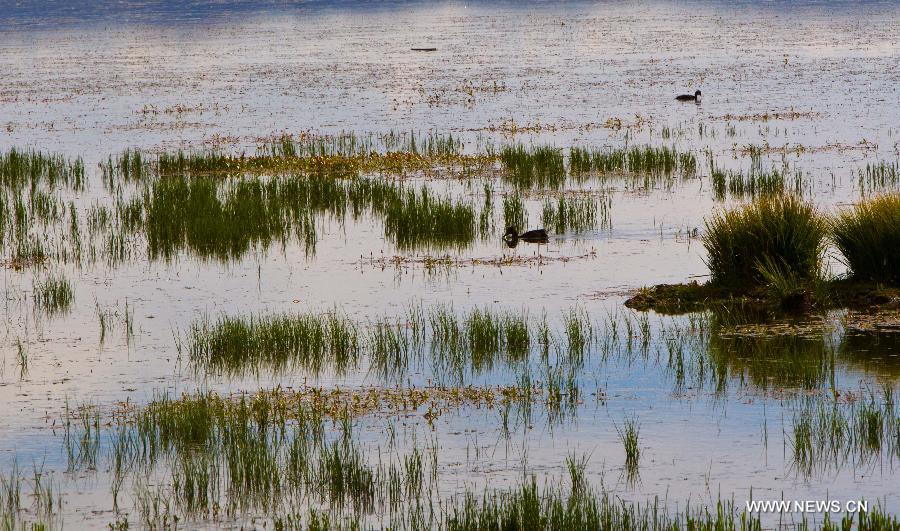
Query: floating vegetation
(868, 237)
(21, 169)
(345, 155)
(799, 149)
(444, 264)
(774, 115)
(339, 404)
(53, 295)
(779, 232)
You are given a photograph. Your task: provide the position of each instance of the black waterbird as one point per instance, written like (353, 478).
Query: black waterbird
(535, 235)
(688, 97)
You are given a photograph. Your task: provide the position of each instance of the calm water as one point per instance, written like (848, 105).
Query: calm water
(162, 76)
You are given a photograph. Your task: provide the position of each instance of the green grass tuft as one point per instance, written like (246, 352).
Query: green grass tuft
(868, 237)
(779, 232)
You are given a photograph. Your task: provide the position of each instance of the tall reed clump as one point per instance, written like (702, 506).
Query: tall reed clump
(778, 236)
(868, 236)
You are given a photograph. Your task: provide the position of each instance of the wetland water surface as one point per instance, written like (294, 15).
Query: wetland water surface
(312, 318)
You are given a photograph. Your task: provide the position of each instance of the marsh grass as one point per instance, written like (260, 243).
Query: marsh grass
(130, 165)
(44, 511)
(791, 290)
(253, 213)
(545, 166)
(223, 207)
(861, 431)
(514, 213)
(53, 295)
(879, 177)
(417, 220)
(629, 434)
(579, 507)
(576, 214)
(535, 167)
(756, 183)
(345, 155)
(22, 358)
(215, 459)
(868, 237)
(643, 166)
(310, 341)
(104, 320)
(189, 213)
(780, 232)
(275, 452)
(21, 169)
(455, 344)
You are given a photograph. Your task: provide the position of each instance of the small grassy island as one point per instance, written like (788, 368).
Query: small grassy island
(770, 254)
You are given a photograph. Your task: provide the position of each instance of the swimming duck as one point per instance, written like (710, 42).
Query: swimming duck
(688, 97)
(536, 235)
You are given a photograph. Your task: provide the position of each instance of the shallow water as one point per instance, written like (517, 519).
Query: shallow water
(156, 77)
